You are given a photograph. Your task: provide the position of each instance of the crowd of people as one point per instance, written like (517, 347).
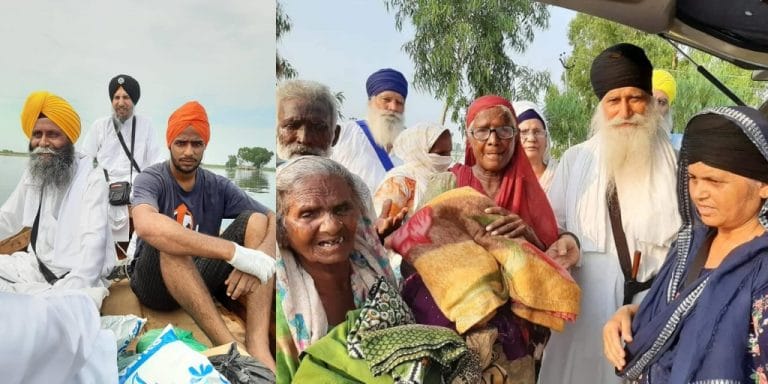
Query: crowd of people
(82, 206)
(629, 259)
(569, 271)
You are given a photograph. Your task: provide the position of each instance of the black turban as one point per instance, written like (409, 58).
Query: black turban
(129, 84)
(622, 65)
(719, 142)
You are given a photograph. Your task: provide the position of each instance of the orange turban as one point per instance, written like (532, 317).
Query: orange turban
(53, 107)
(191, 114)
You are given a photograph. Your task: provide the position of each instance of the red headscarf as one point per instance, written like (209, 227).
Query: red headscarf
(190, 114)
(520, 191)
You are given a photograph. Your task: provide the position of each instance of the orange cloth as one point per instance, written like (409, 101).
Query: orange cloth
(58, 110)
(190, 114)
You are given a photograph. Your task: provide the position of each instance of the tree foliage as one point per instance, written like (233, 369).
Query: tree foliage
(231, 162)
(462, 49)
(283, 70)
(567, 117)
(256, 156)
(588, 36)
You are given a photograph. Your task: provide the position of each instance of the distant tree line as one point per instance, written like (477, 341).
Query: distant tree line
(250, 156)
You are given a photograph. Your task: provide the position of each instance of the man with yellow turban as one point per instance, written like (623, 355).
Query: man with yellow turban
(63, 198)
(664, 91)
(180, 258)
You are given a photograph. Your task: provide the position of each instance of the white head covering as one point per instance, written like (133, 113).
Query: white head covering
(412, 146)
(414, 143)
(525, 105)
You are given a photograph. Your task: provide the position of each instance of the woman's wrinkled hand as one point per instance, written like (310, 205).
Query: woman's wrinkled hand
(510, 226)
(386, 224)
(617, 330)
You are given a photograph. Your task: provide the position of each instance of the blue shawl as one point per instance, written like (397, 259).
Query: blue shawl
(699, 333)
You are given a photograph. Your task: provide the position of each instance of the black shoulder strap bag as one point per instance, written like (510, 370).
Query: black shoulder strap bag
(120, 192)
(631, 285)
(49, 276)
(125, 147)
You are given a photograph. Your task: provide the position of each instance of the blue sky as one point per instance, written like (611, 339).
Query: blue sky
(339, 43)
(219, 53)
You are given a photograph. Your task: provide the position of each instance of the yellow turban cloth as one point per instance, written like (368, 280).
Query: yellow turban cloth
(663, 81)
(53, 107)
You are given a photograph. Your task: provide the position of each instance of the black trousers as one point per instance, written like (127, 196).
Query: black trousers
(147, 280)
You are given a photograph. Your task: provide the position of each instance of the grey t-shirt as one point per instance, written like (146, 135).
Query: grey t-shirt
(212, 199)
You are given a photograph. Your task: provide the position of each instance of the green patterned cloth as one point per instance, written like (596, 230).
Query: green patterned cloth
(383, 309)
(400, 351)
(386, 336)
(327, 361)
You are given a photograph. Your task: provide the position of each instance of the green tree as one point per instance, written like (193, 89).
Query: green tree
(567, 118)
(694, 92)
(284, 69)
(231, 161)
(462, 49)
(257, 156)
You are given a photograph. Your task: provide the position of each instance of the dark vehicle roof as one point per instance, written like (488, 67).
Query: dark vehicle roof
(734, 30)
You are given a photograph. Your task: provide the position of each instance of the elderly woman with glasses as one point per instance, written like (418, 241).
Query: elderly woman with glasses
(496, 166)
(535, 141)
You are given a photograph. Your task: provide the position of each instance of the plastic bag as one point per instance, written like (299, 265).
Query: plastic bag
(168, 360)
(240, 369)
(126, 328)
(184, 336)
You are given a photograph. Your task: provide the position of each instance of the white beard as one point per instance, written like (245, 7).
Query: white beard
(385, 126)
(287, 152)
(626, 155)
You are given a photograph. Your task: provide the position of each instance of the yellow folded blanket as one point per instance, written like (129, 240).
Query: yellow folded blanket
(470, 273)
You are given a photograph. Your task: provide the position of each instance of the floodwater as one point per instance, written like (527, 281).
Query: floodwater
(259, 184)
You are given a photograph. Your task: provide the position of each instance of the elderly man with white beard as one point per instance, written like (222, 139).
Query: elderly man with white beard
(63, 198)
(306, 119)
(364, 146)
(306, 125)
(616, 192)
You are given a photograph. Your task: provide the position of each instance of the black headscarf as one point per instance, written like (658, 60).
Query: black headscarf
(720, 142)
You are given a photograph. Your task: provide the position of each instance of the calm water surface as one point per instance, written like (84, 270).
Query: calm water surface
(259, 184)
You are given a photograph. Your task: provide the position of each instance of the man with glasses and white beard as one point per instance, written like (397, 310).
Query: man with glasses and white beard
(364, 146)
(63, 199)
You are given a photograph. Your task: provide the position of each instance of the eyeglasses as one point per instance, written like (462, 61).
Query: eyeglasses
(532, 133)
(502, 133)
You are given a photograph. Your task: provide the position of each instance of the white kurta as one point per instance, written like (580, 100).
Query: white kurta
(54, 338)
(101, 143)
(355, 152)
(73, 233)
(549, 174)
(577, 195)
